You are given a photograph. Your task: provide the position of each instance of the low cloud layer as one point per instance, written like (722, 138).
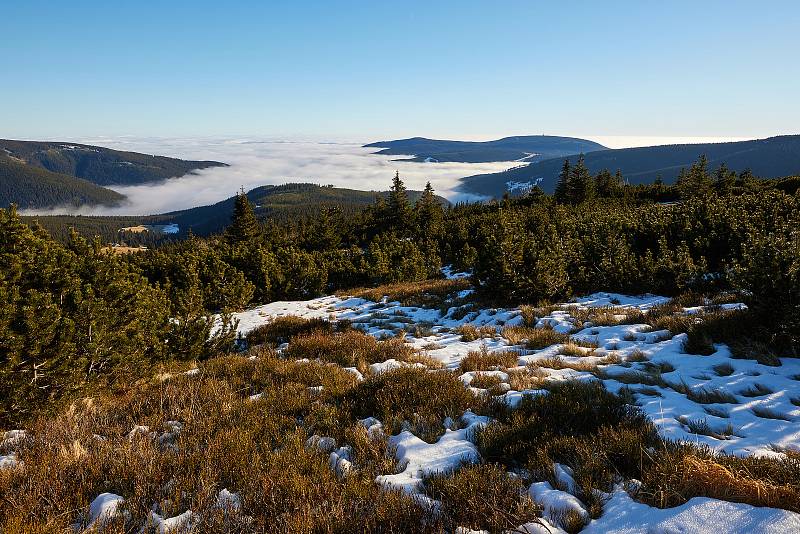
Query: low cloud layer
(255, 162)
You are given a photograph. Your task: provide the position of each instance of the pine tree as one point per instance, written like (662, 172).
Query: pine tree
(581, 185)
(399, 207)
(606, 184)
(724, 180)
(429, 214)
(244, 227)
(563, 186)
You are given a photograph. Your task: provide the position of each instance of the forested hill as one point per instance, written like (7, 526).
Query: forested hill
(278, 202)
(526, 148)
(102, 166)
(766, 158)
(34, 187)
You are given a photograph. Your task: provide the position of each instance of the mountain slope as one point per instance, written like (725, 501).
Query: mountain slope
(33, 187)
(101, 166)
(768, 158)
(527, 148)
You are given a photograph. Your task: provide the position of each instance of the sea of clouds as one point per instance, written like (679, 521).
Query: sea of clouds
(255, 162)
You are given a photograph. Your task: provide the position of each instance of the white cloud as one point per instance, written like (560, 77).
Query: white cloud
(256, 162)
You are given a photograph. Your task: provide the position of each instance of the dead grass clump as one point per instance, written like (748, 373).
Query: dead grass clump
(533, 338)
(219, 440)
(749, 349)
(636, 356)
(483, 360)
(557, 362)
(425, 294)
(403, 394)
(348, 349)
(282, 329)
(723, 369)
(703, 395)
(769, 413)
(471, 332)
(755, 390)
(680, 472)
(698, 341)
(575, 348)
(482, 497)
(485, 381)
(605, 315)
(633, 377)
(703, 428)
(529, 377)
(578, 424)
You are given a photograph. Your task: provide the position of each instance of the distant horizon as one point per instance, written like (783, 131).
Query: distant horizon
(609, 141)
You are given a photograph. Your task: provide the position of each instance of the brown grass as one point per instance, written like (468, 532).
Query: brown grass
(348, 349)
(533, 338)
(483, 360)
(470, 332)
(680, 473)
(428, 293)
(529, 377)
(282, 329)
(482, 497)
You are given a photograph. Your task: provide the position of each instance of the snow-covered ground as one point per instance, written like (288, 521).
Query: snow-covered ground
(759, 415)
(757, 390)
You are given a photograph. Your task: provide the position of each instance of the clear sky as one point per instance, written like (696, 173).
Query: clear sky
(375, 69)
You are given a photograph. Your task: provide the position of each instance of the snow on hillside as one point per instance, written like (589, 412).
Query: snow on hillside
(736, 406)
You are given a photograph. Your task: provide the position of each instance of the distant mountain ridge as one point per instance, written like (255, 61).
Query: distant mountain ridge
(42, 174)
(517, 148)
(773, 157)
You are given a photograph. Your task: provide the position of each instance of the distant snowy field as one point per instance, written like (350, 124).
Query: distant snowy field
(761, 418)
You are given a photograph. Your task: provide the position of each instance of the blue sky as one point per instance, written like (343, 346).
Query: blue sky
(369, 70)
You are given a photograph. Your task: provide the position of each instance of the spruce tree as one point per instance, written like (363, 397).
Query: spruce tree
(724, 180)
(563, 185)
(606, 184)
(400, 213)
(244, 227)
(429, 214)
(581, 185)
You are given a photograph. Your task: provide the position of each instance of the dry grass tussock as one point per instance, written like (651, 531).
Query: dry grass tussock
(282, 329)
(428, 293)
(483, 360)
(348, 349)
(482, 497)
(471, 332)
(533, 338)
(680, 472)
